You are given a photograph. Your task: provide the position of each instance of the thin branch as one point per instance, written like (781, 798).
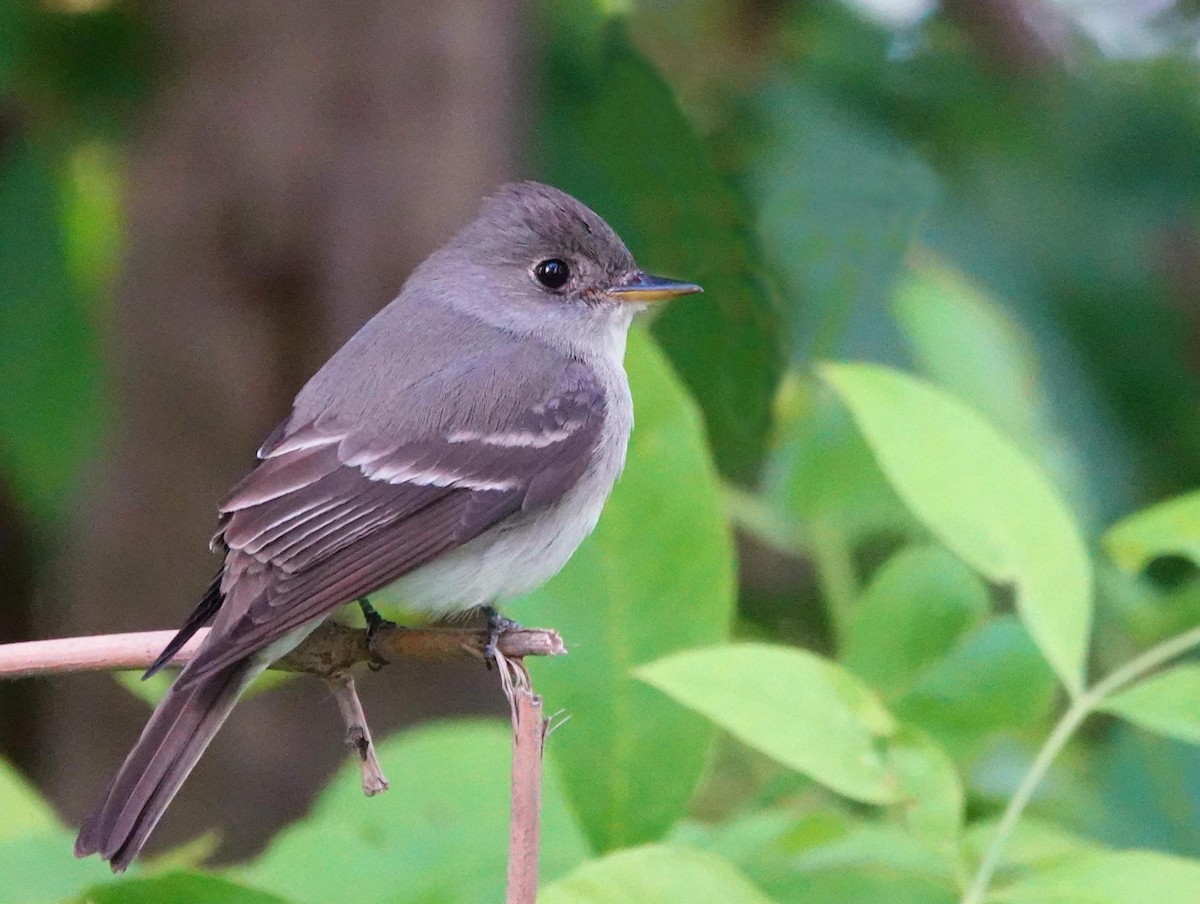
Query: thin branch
(529, 738)
(329, 649)
(1081, 707)
(358, 734)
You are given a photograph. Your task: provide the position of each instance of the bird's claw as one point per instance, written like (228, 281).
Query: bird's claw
(497, 625)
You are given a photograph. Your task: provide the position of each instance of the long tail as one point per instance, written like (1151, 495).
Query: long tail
(172, 741)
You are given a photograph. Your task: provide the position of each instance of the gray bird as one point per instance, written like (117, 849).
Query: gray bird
(459, 447)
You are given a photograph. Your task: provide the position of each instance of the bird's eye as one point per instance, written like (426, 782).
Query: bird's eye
(553, 273)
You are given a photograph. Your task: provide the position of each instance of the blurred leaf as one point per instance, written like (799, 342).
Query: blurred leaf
(48, 355)
(839, 200)
(657, 576)
(916, 608)
(1034, 843)
(25, 812)
(1171, 528)
(615, 136)
(40, 869)
(966, 342)
(983, 499)
(177, 888)
(439, 834)
(1125, 877)
(823, 470)
(655, 874)
(794, 706)
(151, 690)
(994, 679)
(1167, 703)
(931, 794)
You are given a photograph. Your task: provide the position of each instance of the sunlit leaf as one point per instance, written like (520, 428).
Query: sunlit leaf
(931, 794)
(178, 888)
(657, 576)
(804, 711)
(1124, 877)
(655, 873)
(1167, 703)
(983, 499)
(440, 832)
(1171, 528)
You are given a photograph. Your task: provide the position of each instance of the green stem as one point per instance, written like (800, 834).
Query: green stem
(1080, 708)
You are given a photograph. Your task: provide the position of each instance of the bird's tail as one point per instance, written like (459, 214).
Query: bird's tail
(171, 743)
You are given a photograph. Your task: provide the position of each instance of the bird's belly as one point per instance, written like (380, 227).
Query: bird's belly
(512, 558)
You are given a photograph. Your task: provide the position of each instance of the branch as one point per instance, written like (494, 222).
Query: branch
(529, 738)
(331, 648)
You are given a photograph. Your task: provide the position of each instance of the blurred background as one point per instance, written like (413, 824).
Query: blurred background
(200, 201)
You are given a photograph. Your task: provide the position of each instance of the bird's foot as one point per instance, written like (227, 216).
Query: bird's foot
(497, 625)
(375, 622)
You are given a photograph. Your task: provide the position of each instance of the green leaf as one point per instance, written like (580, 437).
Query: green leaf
(177, 888)
(25, 812)
(439, 834)
(839, 201)
(823, 471)
(1034, 843)
(1125, 877)
(965, 342)
(993, 680)
(931, 803)
(983, 499)
(652, 874)
(613, 135)
(1167, 703)
(1171, 528)
(49, 367)
(657, 576)
(803, 711)
(916, 608)
(40, 869)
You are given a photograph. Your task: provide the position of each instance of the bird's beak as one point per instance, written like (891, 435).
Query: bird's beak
(641, 288)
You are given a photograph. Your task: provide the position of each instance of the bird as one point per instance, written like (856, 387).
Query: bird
(458, 449)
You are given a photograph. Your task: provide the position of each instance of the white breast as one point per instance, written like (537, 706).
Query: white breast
(530, 548)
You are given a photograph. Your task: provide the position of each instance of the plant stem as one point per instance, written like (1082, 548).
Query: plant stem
(836, 576)
(1080, 708)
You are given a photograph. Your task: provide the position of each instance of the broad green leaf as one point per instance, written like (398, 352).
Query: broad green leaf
(1171, 528)
(657, 576)
(965, 342)
(916, 608)
(41, 869)
(816, 857)
(1124, 877)
(1034, 843)
(1167, 703)
(822, 471)
(931, 802)
(49, 365)
(804, 711)
(993, 680)
(982, 498)
(177, 888)
(439, 834)
(839, 201)
(654, 874)
(25, 812)
(613, 134)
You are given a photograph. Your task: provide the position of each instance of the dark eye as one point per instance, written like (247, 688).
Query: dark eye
(553, 274)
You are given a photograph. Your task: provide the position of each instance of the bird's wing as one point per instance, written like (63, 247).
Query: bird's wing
(333, 514)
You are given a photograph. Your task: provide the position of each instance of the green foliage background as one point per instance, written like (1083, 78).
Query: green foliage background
(980, 689)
